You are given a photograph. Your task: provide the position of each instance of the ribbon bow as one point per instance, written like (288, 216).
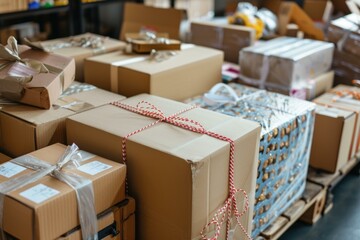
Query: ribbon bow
(229, 208)
(13, 85)
(10, 54)
(82, 186)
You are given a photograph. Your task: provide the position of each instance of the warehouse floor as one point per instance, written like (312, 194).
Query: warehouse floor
(342, 222)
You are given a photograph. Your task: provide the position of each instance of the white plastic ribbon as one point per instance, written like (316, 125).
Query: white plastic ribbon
(213, 98)
(82, 186)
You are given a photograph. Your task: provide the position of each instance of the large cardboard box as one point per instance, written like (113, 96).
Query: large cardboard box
(25, 129)
(44, 88)
(139, 16)
(116, 223)
(220, 35)
(285, 63)
(79, 47)
(330, 99)
(47, 208)
(178, 178)
(333, 134)
(189, 72)
(285, 141)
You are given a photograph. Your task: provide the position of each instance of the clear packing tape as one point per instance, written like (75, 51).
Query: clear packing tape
(72, 157)
(286, 136)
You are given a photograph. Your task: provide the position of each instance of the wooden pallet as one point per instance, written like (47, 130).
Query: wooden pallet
(330, 180)
(316, 201)
(309, 206)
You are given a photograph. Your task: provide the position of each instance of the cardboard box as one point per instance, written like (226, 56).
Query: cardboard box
(116, 223)
(45, 88)
(346, 67)
(328, 99)
(184, 175)
(25, 129)
(4, 158)
(220, 35)
(314, 87)
(291, 12)
(285, 141)
(178, 77)
(345, 33)
(285, 63)
(139, 16)
(55, 213)
(128, 220)
(318, 10)
(103, 222)
(333, 134)
(62, 46)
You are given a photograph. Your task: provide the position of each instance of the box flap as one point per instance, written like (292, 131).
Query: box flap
(137, 16)
(36, 116)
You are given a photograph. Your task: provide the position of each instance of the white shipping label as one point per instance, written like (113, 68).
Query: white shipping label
(10, 169)
(39, 193)
(94, 167)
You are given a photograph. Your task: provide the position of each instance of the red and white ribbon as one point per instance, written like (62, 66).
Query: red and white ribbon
(229, 208)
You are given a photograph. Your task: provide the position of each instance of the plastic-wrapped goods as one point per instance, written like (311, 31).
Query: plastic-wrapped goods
(285, 63)
(287, 129)
(345, 33)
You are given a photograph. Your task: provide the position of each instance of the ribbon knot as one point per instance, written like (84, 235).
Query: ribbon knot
(229, 207)
(12, 86)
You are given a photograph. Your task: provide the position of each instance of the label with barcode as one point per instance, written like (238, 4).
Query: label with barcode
(10, 169)
(39, 193)
(94, 167)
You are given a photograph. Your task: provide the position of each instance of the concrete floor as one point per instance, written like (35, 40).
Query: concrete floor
(341, 223)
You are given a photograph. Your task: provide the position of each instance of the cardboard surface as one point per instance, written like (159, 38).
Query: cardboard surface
(4, 158)
(317, 9)
(178, 77)
(25, 129)
(102, 222)
(80, 53)
(45, 88)
(128, 220)
(122, 218)
(57, 215)
(319, 85)
(177, 177)
(332, 138)
(223, 36)
(327, 100)
(139, 16)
